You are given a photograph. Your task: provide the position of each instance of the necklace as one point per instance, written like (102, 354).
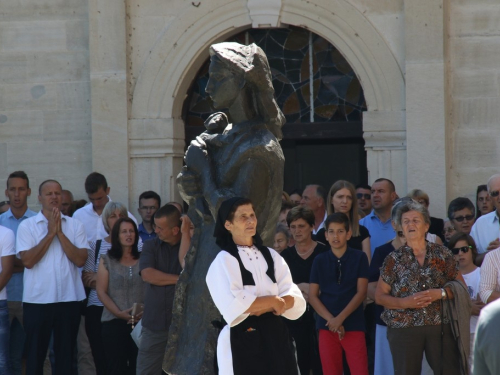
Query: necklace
(306, 252)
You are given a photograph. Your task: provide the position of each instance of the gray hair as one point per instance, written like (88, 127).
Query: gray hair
(412, 205)
(490, 180)
(109, 208)
(282, 228)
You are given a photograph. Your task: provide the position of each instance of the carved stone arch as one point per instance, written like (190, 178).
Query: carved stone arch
(181, 49)
(176, 57)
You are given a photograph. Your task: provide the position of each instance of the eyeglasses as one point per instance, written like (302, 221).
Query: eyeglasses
(494, 194)
(462, 218)
(463, 249)
(363, 196)
(339, 271)
(448, 230)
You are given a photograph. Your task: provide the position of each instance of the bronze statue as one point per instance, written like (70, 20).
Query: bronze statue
(241, 158)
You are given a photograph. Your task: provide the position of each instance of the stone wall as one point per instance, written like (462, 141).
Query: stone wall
(45, 92)
(473, 111)
(99, 85)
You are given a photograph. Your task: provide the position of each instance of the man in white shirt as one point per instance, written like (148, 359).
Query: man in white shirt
(485, 230)
(18, 190)
(52, 247)
(97, 190)
(7, 255)
(314, 197)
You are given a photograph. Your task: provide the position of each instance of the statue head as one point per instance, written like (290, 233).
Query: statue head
(249, 68)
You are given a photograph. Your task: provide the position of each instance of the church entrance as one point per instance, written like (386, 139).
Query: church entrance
(321, 97)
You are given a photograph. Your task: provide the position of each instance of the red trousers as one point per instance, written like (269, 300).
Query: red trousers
(330, 351)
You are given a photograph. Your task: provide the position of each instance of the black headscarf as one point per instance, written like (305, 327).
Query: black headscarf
(223, 237)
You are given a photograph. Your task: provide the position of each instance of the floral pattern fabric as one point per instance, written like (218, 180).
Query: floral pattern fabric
(405, 276)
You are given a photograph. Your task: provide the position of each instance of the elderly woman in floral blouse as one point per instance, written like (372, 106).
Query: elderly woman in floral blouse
(410, 288)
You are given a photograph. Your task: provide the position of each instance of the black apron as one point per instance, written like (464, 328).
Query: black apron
(262, 345)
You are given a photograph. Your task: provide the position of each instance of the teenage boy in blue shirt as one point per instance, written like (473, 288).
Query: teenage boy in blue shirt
(338, 286)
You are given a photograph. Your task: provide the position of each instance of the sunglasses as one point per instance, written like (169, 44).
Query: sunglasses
(339, 271)
(494, 194)
(462, 218)
(463, 249)
(448, 230)
(363, 196)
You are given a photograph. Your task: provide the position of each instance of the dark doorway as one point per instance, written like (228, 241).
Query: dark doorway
(321, 98)
(323, 153)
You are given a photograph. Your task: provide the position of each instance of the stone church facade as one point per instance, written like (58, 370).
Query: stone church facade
(100, 85)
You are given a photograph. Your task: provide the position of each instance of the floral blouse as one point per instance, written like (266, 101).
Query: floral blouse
(405, 276)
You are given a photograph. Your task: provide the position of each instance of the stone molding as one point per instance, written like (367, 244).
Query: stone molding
(160, 88)
(156, 148)
(264, 13)
(165, 76)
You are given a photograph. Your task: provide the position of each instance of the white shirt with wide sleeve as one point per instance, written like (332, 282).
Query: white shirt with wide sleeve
(54, 278)
(92, 222)
(7, 248)
(233, 299)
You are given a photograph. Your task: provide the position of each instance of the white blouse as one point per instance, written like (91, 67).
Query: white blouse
(233, 299)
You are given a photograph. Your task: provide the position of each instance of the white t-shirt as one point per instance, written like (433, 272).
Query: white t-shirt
(54, 278)
(472, 280)
(7, 248)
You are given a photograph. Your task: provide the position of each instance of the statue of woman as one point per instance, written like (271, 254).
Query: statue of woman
(245, 159)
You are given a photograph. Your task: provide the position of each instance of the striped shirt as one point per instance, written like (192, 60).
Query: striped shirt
(490, 275)
(90, 266)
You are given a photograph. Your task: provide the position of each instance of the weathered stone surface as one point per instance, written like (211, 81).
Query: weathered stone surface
(239, 159)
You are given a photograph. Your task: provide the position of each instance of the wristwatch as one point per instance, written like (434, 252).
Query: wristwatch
(443, 293)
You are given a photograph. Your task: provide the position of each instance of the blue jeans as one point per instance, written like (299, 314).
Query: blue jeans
(4, 338)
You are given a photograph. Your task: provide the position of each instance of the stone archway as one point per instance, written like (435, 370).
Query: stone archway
(173, 62)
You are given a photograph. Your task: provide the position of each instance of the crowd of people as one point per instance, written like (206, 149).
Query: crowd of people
(77, 279)
(366, 282)
(424, 278)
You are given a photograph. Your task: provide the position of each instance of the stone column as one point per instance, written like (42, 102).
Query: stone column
(385, 144)
(108, 85)
(425, 100)
(156, 151)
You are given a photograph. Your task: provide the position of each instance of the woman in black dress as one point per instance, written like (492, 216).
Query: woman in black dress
(300, 258)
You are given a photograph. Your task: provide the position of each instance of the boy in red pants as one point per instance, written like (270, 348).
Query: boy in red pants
(338, 285)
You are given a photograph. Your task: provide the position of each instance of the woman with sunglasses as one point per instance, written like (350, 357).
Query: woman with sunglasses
(464, 250)
(411, 287)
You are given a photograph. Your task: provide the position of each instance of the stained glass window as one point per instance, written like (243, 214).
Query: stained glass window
(333, 95)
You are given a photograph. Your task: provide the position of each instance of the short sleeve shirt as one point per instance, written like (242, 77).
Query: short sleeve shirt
(54, 278)
(380, 232)
(405, 276)
(301, 268)
(7, 248)
(159, 300)
(374, 274)
(15, 284)
(336, 296)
